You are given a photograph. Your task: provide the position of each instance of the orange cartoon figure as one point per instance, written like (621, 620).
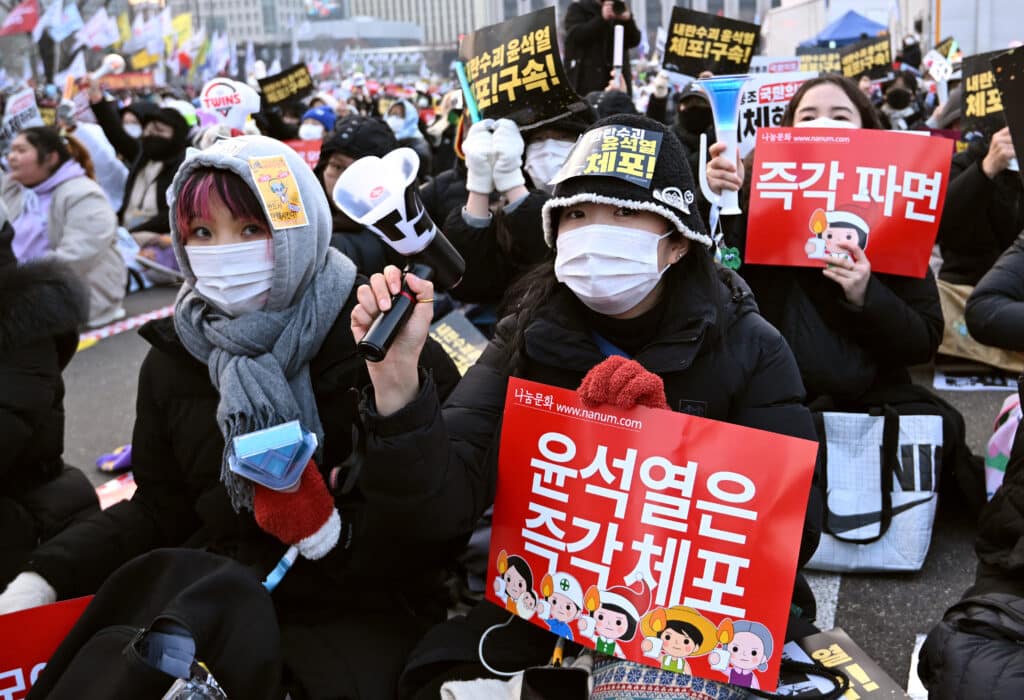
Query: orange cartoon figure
(679, 633)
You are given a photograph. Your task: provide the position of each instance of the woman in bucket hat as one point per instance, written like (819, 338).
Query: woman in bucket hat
(632, 276)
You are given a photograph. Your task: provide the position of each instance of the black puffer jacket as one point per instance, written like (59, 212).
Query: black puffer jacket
(366, 250)
(750, 380)
(130, 151)
(995, 309)
(843, 351)
(445, 193)
(180, 501)
(976, 651)
(498, 254)
(589, 43)
(42, 305)
(980, 220)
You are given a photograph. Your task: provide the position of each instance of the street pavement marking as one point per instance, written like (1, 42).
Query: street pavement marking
(87, 340)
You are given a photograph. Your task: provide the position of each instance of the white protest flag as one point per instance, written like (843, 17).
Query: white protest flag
(67, 23)
(77, 69)
(250, 58)
(51, 15)
(275, 67)
(99, 32)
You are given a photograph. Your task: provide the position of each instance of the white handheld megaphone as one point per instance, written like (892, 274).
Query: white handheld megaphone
(724, 96)
(381, 194)
(112, 63)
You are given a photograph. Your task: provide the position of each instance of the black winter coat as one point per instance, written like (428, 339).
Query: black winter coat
(450, 455)
(42, 305)
(975, 652)
(366, 250)
(980, 220)
(130, 150)
(845, 352)
(995, 309)
(445, 193)
(589, 43)
(499, 253)
(180, 501)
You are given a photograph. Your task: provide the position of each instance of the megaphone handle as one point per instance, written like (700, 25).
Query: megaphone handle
(729, 200)
(374, 346)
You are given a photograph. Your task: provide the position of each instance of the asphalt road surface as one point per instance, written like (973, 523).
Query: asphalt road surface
(882, 613)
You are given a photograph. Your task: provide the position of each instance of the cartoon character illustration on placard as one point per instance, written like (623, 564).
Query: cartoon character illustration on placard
(614, 615)
(514, 585)
(278, 187)
(749, 650)
(562, 604)
(831, 228)
(676, 634)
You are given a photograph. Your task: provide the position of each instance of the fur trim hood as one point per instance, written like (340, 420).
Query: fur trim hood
(40, 300)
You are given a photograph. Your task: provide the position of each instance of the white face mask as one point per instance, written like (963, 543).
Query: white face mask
(826, 123)
(396, 123)
(543, 160)
(134, 130)
(611, 269)
(311, 132)
(235, 277)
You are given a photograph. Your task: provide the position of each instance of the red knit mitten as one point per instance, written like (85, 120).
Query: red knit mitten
(623, 383)
(305, 518)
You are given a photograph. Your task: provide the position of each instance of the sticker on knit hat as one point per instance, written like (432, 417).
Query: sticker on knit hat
(674, 197)
(625, 152)
(278, 191)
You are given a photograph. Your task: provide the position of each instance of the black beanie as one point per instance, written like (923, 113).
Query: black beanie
(356, 136)
(172, 118)
(607, 103)
(670, 193)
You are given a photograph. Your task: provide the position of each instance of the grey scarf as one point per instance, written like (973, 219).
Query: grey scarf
(259, 362)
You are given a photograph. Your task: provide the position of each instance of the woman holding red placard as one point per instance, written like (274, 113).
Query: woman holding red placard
(854, 332)
(632, 310)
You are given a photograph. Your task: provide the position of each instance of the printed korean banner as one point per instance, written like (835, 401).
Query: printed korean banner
(1009, 74)
(309, 150)
(820, 59)
(982, 106)
(37, 633)
(698, 41)
(871, 56)
(774, 64)
(667, 539)
(290, 84)
(763, 102)
(514, 70)
(812, 189)
(461, 340)
(20, 112)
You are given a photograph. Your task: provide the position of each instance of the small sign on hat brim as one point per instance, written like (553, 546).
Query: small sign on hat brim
(626, 152)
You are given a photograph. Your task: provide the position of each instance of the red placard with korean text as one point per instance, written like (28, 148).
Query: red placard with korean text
(29, 639)
(309, 150)
(655, 536)
(812, 188)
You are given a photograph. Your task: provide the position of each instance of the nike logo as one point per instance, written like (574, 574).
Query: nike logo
(846, 523)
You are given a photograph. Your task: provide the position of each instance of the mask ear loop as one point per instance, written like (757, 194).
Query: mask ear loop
(480, 649)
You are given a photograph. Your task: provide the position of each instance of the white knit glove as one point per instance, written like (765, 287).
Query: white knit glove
(27, 590)
(508, 156)
(660, 84)
(478, 148)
